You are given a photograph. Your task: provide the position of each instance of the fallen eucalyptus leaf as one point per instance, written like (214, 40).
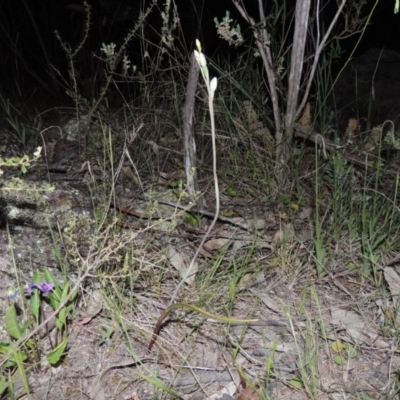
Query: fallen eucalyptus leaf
(177, 259)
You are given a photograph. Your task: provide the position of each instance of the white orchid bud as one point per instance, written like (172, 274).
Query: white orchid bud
(213, 84)
(202, 60)
(198, 45)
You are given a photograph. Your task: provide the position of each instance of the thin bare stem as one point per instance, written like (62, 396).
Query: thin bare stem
(171, 307)
(317, 55)
(211, 92)
(263, 46)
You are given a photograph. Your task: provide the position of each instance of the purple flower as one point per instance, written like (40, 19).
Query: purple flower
(43, 286)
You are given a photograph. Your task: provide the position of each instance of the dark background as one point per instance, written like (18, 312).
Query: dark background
(33, 63)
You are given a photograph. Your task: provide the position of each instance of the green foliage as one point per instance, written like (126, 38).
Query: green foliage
(22, 162)
(57, 297)
(225, 30)
(55, 355)
(43, 288)
(3, 382)
(14, 328)
(193, 219)
(231, 192)
(7, 347)
(20, 129)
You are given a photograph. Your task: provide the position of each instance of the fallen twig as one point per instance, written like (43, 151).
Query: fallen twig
(315, 137)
